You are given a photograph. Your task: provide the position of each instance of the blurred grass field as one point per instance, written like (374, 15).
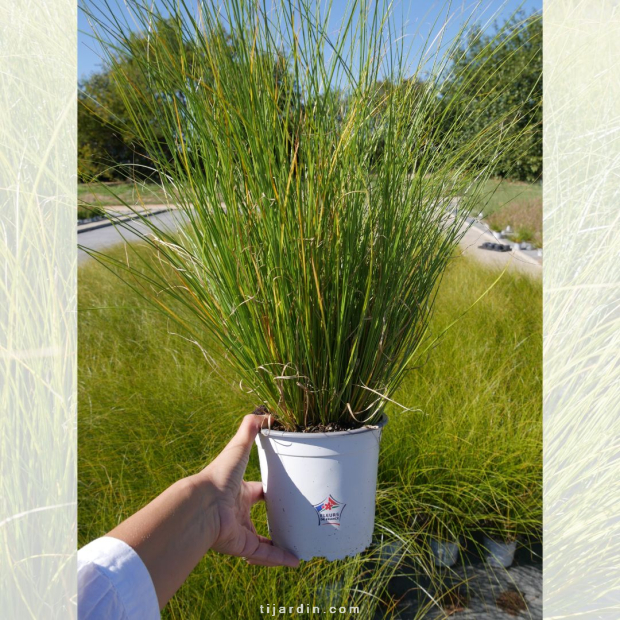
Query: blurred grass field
(116, 193)
(151, 410)
(515, 204)
(506, 203)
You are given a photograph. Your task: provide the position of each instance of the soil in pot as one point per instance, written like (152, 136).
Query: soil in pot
(332, 427)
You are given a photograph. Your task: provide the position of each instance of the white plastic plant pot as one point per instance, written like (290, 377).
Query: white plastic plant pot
(499, 554)
(392, 553)
(445, 553)
(320, 490)
(330, 593)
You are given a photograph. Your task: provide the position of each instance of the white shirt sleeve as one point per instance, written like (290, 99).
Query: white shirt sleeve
(114, 583)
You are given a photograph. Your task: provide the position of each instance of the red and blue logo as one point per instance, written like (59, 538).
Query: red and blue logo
(329, 511)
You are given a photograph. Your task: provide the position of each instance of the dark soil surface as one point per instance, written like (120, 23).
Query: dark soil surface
(511, 601)
(315, 428)
(454, 601)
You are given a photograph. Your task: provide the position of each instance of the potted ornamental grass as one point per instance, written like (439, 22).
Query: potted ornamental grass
(510, 517)
(500, 542)
(315, 171)
(443, 514)
(500, 534)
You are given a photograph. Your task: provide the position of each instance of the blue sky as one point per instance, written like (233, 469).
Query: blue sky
(416, 16)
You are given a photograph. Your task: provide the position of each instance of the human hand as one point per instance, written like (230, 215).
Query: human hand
(232, 498)
(209, 510)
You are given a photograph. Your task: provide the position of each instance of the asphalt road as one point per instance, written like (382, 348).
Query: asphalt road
(103, 238)
(108, 236)
(519, 260)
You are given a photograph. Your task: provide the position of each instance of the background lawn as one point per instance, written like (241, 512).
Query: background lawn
(511, 203)
(85, 211)
(151, 410)
(117, 193)
(515, 204)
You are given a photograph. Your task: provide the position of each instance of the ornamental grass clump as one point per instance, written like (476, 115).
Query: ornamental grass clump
(323, 184)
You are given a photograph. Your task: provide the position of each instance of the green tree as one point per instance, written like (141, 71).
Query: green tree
(108, 147)
(107, 133)
(104, 133)
(500, 78)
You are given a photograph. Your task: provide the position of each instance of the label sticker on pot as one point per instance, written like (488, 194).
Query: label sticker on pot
(329, 511)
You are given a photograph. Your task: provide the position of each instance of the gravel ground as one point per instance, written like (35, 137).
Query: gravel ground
(486, 590)
(473, 590)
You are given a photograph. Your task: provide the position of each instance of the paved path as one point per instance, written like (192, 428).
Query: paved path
(100, 238)
(519, 260)
(105, 237)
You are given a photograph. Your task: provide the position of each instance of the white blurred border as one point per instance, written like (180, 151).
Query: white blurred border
(582, 308)
(581, 311)
(38, 63)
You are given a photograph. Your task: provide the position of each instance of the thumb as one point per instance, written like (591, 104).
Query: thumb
(246, 434)
(230, 464)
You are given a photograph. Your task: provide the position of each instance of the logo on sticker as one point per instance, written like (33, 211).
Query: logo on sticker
(329, 511)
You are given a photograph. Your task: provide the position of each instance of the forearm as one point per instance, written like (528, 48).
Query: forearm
(209, 510)
(173, 533)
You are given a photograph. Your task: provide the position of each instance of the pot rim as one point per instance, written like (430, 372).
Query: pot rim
(267, 432)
